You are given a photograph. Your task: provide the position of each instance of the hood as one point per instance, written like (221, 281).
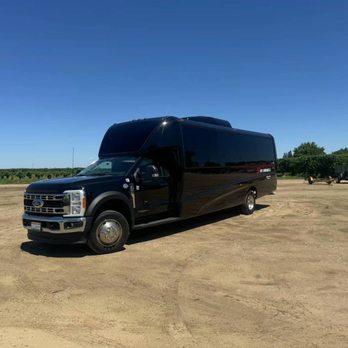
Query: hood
(74, 183)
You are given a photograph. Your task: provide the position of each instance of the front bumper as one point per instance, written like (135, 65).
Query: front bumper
(55, 224)
(57, 230)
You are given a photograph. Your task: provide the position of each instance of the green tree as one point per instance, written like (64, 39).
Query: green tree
(308, 149)
(288, 154)
(343, 151)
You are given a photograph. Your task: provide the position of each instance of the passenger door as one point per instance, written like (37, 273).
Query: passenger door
(152, 189)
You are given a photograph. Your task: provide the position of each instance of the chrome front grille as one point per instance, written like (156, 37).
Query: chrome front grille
(44, 210)
(44, 197)
(53, 204)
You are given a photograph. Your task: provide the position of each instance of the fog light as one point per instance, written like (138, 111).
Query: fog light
(75, 210)
(70, 225)
(52, 225)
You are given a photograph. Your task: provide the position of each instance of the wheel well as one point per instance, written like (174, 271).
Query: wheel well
(254, 189)
(116, 205)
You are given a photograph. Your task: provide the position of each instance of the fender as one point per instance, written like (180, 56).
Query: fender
(108, 196)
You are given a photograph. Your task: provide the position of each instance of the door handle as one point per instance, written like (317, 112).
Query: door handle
(163, 185)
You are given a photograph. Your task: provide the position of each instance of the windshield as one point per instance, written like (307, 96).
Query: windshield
(118, 166)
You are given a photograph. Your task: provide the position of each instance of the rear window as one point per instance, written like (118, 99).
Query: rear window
(126, 137)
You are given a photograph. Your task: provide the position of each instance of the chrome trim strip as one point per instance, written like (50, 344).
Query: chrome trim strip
(131, 188)
(59, 220)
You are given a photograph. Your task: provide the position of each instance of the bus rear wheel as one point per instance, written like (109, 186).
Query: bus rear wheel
(248, 205)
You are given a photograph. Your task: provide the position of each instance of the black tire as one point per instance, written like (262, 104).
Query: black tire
(109, 232)
(249, 203)
(310, 180)
(338, 180)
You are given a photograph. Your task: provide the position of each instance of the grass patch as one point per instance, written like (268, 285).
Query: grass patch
(289, 177)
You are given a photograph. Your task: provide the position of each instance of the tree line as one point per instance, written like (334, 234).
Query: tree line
(306, 159)
(25, 175)
(311, 159)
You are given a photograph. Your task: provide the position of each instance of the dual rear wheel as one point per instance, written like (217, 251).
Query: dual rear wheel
(248, 206)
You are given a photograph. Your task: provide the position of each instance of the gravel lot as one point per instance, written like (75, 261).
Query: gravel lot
(278, 278)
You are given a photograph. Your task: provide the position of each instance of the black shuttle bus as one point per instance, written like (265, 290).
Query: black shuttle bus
(149, 172)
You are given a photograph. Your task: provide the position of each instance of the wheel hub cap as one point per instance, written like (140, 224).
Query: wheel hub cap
(109, 232)
(250, 202)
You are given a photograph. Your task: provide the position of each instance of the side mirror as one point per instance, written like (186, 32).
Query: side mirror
(151, 171)
(146, 173)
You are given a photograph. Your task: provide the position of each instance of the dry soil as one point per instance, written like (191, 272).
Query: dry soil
(278, 278)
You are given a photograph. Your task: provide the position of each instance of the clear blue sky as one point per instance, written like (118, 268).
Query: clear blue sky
(70, 69)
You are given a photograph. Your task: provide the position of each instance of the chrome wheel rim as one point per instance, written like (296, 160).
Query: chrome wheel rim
(250, 202)
(109, 232)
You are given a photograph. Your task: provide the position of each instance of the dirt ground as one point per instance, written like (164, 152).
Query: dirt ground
(278, 278)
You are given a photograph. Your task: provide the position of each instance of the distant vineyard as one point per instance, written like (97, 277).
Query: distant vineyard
(321, 165)
(26, 176)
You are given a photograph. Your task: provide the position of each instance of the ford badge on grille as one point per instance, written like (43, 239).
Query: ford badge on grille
(38, 203)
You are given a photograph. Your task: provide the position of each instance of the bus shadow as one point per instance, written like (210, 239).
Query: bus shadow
(138, 236)
(56, 251)
(161, 231)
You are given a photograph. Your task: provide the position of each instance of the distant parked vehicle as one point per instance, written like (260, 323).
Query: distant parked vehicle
(313, 179)
(341, 172)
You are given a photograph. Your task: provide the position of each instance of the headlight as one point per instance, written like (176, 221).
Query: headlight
(76, 201)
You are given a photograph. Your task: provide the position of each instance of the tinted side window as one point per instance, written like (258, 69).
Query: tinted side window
(242, 148)
(209, 147)
(200, 146)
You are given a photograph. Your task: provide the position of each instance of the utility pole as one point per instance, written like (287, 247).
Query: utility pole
(73, 158)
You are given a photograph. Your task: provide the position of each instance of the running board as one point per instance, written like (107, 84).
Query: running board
(155, 223)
